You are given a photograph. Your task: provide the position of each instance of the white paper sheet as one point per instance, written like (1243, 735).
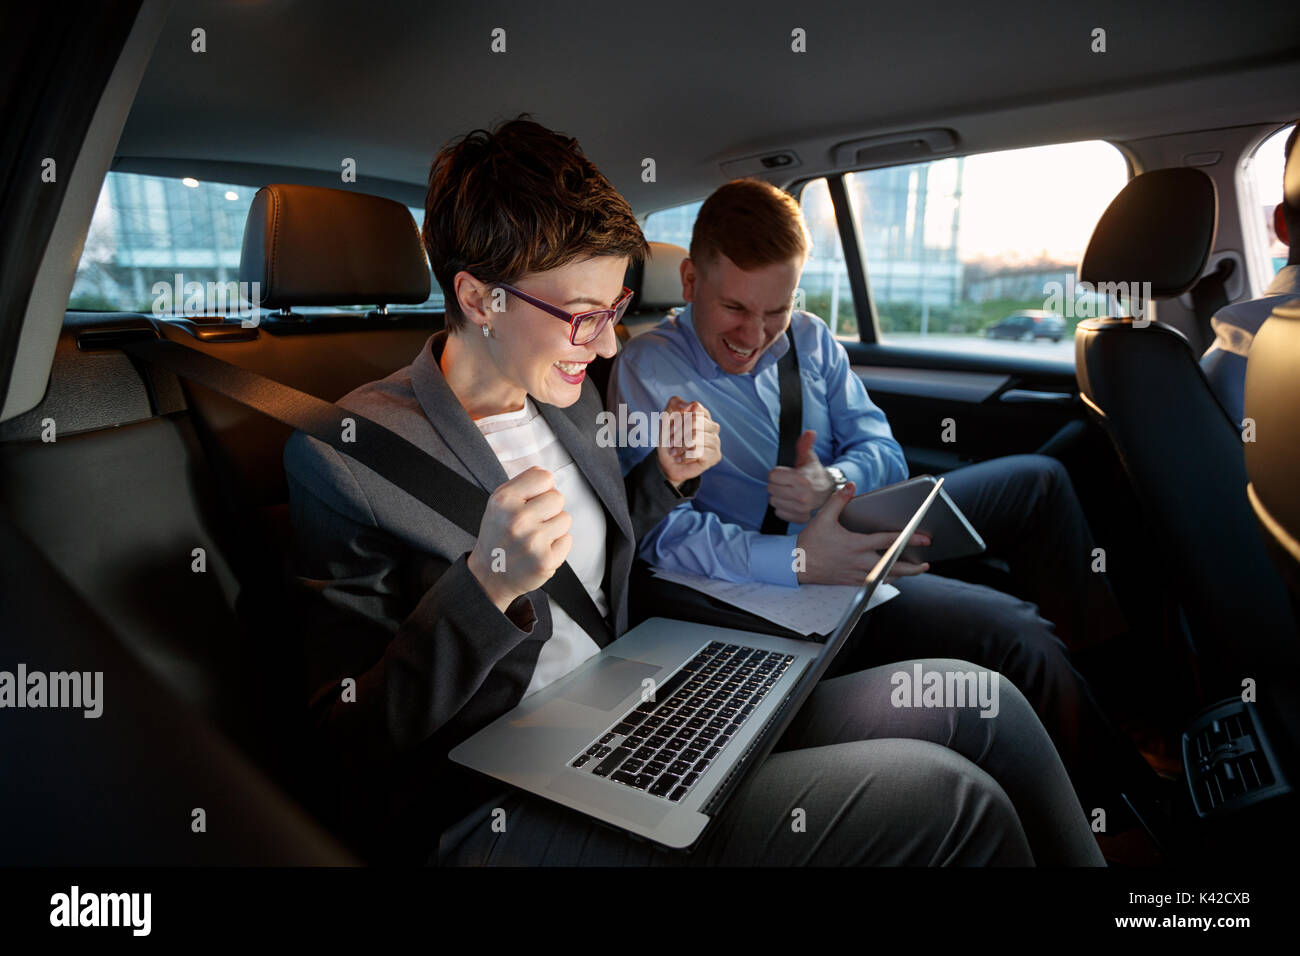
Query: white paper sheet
(806, 609)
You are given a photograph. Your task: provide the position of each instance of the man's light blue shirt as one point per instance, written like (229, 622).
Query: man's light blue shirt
(716, 533)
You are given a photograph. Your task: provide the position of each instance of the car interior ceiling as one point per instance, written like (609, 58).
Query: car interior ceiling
(147, 465)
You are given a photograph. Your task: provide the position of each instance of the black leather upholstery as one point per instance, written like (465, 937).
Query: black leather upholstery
(116, 790)
(1181, 452)
(307, 245)
(1185, 460)
(1159, 229)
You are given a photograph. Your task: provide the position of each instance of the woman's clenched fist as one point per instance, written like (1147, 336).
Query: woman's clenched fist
(523, 539)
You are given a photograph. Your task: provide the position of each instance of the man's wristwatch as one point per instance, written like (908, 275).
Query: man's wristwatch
(837, 476)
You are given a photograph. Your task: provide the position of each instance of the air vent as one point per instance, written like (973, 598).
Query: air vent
(1228, 760)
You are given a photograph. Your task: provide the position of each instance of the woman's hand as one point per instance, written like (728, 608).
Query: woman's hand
(523, 539)
(688, 441)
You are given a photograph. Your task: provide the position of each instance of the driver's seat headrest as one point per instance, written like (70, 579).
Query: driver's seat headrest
(1159, 229)
(308, 245)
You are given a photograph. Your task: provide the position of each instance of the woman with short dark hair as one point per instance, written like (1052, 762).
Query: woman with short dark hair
(530, 244)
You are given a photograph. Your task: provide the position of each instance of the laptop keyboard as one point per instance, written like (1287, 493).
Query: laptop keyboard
(663, 746)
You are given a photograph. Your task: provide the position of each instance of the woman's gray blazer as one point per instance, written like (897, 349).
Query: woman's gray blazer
(406, 656)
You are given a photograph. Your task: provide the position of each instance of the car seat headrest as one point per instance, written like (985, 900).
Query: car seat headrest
(657, 281)
(1159, 229)
(308, 245)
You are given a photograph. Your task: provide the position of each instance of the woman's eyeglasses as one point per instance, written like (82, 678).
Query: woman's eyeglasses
(584, 327)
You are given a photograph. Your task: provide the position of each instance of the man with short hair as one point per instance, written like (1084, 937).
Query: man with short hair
(1235, 326)
(747, 252)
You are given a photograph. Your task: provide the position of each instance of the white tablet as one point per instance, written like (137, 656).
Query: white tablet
(889, 509)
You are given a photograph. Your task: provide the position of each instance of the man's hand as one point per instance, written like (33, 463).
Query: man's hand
(525, 519)
(688, 441)
(795, 493)
(835, 555)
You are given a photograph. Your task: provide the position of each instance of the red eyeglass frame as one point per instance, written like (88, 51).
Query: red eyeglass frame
(614, 313)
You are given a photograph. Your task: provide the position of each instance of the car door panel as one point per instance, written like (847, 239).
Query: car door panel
(946, 407)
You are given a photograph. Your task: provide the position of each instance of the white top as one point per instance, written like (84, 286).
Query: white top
(522, 439)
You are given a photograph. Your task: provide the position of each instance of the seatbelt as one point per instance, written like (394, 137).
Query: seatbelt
(790, 390)
(385, 452)
(1209, 295)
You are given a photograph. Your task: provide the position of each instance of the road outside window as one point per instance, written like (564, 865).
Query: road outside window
(978, 254)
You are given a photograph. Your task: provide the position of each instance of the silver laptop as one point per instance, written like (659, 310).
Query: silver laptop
(654, 733)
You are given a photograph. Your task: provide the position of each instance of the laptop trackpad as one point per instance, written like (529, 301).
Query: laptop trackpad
(609, 681)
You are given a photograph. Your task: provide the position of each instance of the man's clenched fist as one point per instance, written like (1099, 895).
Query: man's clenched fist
(688, 441)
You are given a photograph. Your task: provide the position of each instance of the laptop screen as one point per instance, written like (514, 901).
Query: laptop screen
(764, 742)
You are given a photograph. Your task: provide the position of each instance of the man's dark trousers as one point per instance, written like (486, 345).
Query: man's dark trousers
(1025, 508)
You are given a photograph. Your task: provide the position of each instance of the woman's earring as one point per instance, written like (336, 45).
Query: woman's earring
(487, 332)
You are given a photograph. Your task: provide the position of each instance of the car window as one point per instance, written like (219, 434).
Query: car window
(151, 237)
(672, 225)
(955, 246)
(1260, 187)
(824, 285)
(825, 280)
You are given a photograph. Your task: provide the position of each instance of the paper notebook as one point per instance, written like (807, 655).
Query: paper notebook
(807, 609)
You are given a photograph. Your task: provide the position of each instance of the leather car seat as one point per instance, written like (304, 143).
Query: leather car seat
(1180, 450)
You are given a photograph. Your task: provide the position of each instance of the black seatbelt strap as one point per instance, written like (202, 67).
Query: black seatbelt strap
(791, 422)
(383, 451)
(1209, 295)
